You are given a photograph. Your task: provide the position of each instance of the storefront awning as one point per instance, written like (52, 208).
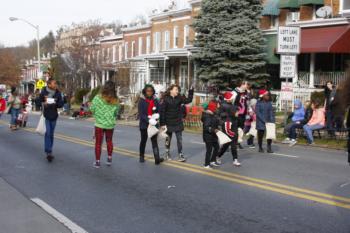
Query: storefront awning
(310, 2)
(271, 43)
(271, 8)
(326, 39)
(287, 4)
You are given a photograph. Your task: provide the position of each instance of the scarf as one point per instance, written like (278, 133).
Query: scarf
(51, 92)
(150, 106)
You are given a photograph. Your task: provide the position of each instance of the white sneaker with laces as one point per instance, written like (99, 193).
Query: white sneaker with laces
(208, 167)
(236, 163)
(214, 164)
(286, 141)
(218, 161)
(293, 142)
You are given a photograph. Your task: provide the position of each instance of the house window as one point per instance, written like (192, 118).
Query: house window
(108, 53)
(186, 35)
(103, 54)
(293, 16)
(140, 46)
(156, 41)
(120, 53)
(126, 50)
(148, 45)
(114, 53)
(166, 40)
(274, 21)
(176, 37)
(133, 49)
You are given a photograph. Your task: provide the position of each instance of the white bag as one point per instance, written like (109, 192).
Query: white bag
(223, 138)
(41, 128)
(240, 135)
(252, 131)
(162, 133)
(152, 130)
(271, 131)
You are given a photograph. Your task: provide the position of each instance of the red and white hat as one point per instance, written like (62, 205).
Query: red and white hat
(228, 96)
(263, 92)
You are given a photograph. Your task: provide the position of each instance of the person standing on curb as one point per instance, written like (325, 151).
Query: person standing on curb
(264, 114)
(15, 106)
(51, 100)
(105, 109)
(172, 117)
(148, 105)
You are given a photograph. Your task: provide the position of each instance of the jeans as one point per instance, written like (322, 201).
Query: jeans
(293, 130)
(14, 116)
(309, 129)
(178, 139)
(211, 153)
(99, 133)
(49, 135)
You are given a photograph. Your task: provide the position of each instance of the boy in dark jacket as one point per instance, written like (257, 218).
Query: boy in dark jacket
(230, 127)
(172, 117)
(51, 99)
(211, 124)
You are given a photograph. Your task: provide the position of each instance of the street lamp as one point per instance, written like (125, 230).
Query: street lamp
(38, 39)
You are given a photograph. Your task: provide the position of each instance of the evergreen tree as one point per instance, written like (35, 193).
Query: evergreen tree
(230, 42)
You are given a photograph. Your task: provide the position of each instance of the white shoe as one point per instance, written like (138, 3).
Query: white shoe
(286, 141)
(293, 142)
(214, 164)
(236, 163)
(207, 167)
(218, 161)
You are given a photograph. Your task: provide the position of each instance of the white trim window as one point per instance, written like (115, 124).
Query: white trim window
(157, 37)
(114, 55)
(126, 50)
(166, 45)
(176, 37)
(148, 45)
(120, 52)
(345, 7)
(140, 47)
(133, 49)
(274, 21)
(186, 35)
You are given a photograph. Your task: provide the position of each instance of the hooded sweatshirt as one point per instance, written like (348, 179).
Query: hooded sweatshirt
(299, 112)
(105, 114)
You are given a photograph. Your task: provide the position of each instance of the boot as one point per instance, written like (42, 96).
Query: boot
(269, 149)
(157, 159)
(142, 158)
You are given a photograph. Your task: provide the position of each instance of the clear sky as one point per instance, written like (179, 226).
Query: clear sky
(50, 14)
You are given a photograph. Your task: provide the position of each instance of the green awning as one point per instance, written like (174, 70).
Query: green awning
(271, 43)
(271, 8)
(310, 2)
(287, 4)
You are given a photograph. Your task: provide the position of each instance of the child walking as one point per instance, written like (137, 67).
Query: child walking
(264, 114)
(211, 124)
(105, 108)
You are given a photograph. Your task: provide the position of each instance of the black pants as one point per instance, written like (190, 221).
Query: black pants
(233, 145)
(144, 137)
(260, 139)
(349, 147)
(178, 139)
(212, 152)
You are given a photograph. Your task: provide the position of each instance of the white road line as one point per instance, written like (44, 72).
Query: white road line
(200, 143)
(60, 217)
(343, 185)
(284, 155)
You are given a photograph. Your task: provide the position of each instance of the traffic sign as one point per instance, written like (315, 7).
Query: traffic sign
(288, 66)
(288, 40)
(40, 84)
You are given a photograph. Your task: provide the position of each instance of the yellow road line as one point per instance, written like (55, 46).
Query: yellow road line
(232, 177)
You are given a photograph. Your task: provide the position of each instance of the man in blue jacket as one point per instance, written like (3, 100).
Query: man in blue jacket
(51, 100)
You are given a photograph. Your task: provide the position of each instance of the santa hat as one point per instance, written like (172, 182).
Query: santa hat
(263, 92)
(212, 106)
(228, 96)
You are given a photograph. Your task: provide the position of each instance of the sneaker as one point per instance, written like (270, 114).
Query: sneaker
(236, 163)
(270, 151)
(286, 141)
(181, 158)
(261, 150)
(97, 164)
(214, 164)
(218, 161)
(161, 160)
(109, 161)
(293, 142)
(252, 146)
(207, 167)
(50, 157)
(142, 159)
(311, 144)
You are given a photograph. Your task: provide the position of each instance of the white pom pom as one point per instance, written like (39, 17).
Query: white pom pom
(153, 121)
(156, 116)
(154, 108)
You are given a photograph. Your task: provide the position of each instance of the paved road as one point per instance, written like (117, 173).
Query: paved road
(298, 189)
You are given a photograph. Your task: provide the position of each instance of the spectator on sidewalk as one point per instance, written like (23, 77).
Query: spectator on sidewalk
(172, 117)
(148, 106)
(330, 93)
(211, 123)
(105, 108)
(2, 105)
(264, 114)
(316, 122)
(51, 100)
(296, 118)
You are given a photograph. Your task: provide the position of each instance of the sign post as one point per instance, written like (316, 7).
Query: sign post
(288, 45)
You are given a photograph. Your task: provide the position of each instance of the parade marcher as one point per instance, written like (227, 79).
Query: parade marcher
(15, 107)
(105, 108)
(172, 117)
(241, 103)
(211, 124)
(330, 93)
(316, 122)
(2, 105)
(264, 114)
(148, 106)
(228, 116)
(51, 100)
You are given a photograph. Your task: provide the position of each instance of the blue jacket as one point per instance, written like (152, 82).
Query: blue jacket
(143, 112)
(299, 112)
(264, 114)
(50, 110)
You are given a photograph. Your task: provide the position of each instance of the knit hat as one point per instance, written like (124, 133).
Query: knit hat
(205, 105)
(228, 96)
(263, 92)
(212, 106)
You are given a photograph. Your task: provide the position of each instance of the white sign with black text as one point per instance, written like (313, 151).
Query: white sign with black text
(288, 66)
(288, 40)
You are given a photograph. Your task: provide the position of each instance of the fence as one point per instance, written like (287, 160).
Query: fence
(320, 78)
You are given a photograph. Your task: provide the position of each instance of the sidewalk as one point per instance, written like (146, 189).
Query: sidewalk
(18, 214)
